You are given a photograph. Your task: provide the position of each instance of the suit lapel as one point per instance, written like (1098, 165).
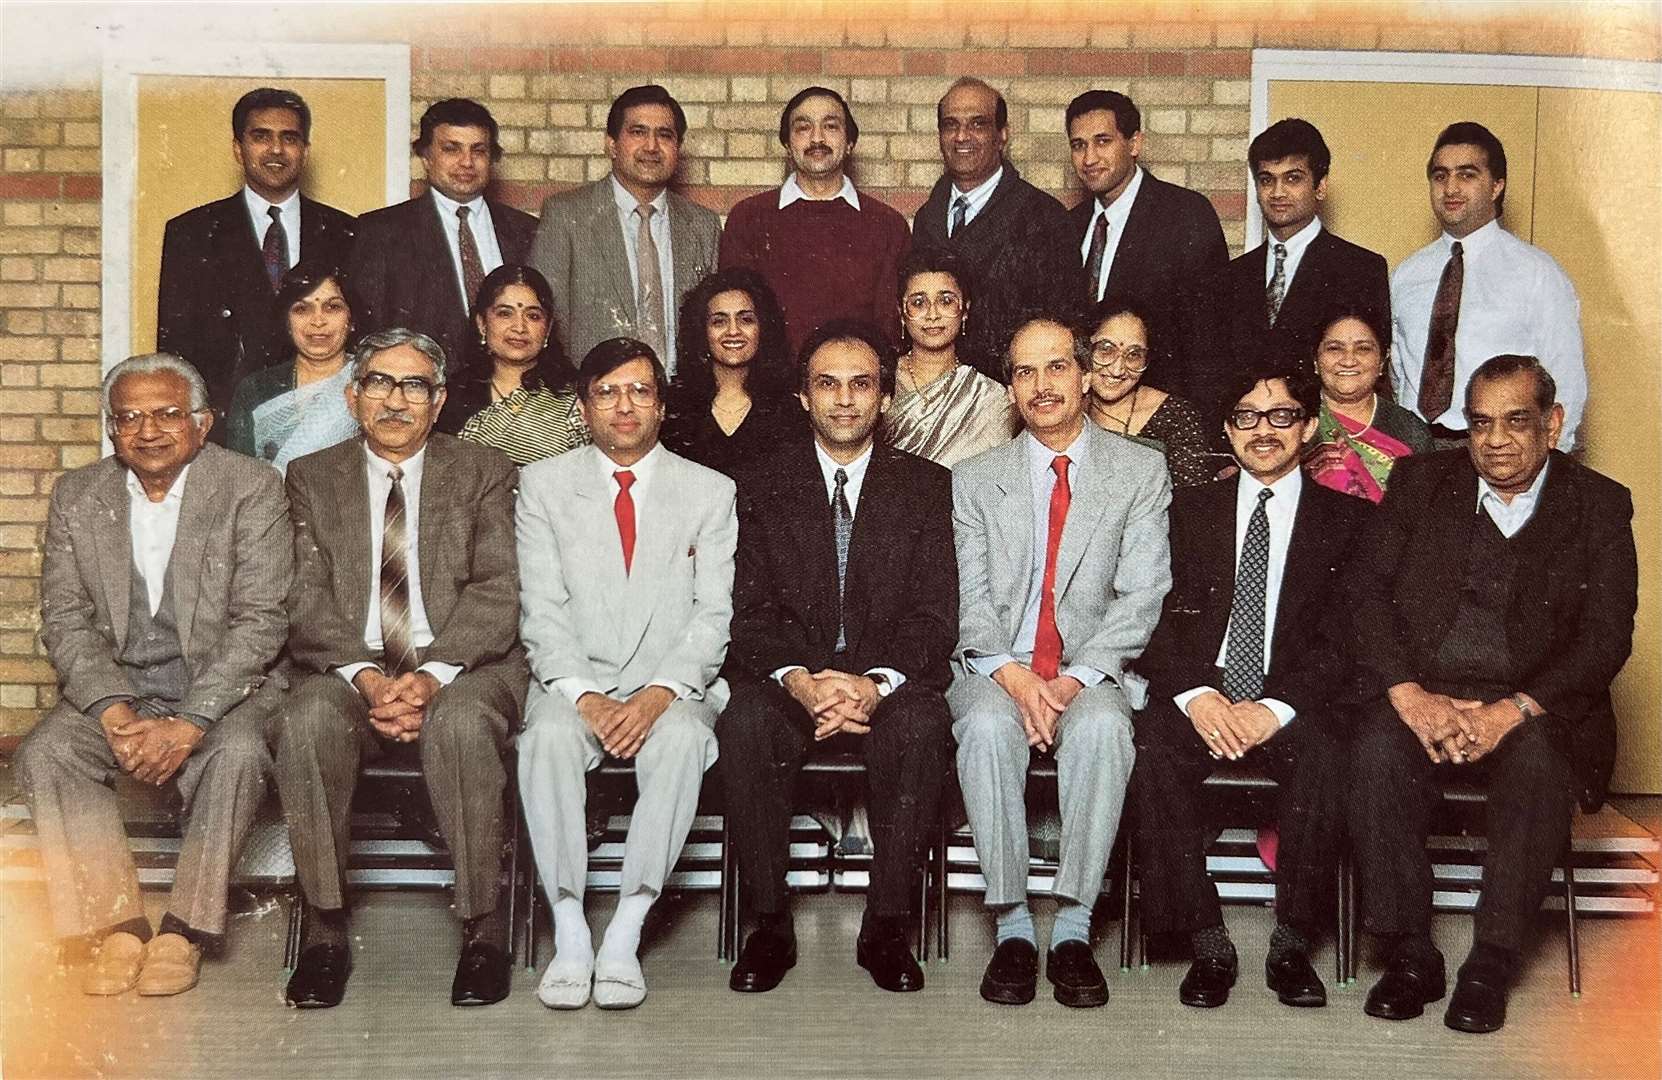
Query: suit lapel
(1301, 574)
(656, 536)
(1128, 255)
(1557, 516)
(435, 511)
(683, 250)
(435, 252)
(808, 509)
(1011, 520)
(114, 547)
(351, 491)
(607, 235)
(1093, 490)
(202, 504)
(1217, 560)
(1454, 502)
(873, 520)
(236, 245)
(1309, 285)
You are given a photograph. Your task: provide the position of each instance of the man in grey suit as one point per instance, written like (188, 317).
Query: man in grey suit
(405, 633)
(621, 253)
(1062, 563)
(626, 593)
(162, 611)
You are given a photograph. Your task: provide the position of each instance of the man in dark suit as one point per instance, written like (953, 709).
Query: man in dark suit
(1244, 665)
(221, 262)
(404, 631)
(845, 612)
(1013, 237)
(1138, 237)
(1270, 304)
(1495, 603)
(419, 264)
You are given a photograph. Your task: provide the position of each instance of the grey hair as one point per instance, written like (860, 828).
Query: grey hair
(392, 338)
(152, 364)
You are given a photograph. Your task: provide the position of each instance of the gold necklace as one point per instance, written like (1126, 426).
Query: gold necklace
(1125, 425)
(909, 365)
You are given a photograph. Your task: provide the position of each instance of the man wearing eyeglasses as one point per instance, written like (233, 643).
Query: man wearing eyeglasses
(162, 612)
(405, 635)
(626, 571)
(1244, 666)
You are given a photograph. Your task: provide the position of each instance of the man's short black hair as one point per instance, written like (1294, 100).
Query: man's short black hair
(1303, 388)
(1471, 133)
(271, 97)
(612, 354)
(1509, 364)
(854, 331)
(457, 112)
(1068, 318)
(1127, 118)
(1291, 137)
(800, 96)
(650, 94)
(1001, 110)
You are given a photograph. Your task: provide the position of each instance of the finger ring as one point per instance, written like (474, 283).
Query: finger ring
(1213, 735)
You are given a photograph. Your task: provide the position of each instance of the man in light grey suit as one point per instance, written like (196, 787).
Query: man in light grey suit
(162, 611)
(626, 592)
(621, 253)
(1063, 562)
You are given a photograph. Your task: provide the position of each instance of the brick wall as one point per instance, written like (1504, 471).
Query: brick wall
(732, 66)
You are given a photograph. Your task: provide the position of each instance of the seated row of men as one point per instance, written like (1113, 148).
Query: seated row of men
(1046, 597)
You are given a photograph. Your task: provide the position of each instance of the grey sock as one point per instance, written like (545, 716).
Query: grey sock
(1016, 921)
(1073, 923)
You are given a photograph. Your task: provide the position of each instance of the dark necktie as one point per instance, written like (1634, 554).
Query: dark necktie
(1437, 373)
(1047, 639)
(649, 303)
(1093, 262)
(1277, 291)
(843, 516)
(473, 270)
(624, 509)
(960, 210)
(397, 649)
(276, 247)
(1243, 658)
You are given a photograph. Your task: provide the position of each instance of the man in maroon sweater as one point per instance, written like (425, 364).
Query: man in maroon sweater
(828, 251)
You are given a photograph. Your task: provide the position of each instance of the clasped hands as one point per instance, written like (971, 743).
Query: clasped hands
(622, 726)
(1230, 729)
(397, 704)
(151, 748)
(1039, 701)
(1457, 730)
(837, 700)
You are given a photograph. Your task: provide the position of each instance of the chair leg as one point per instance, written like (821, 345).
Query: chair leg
(1572, 936)
(727, 930)
(297, 919)
(1126, 913)
(516, 872)
(1341, 927)
(942, 894)
(922, 951)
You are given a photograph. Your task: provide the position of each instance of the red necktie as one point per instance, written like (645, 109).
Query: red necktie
(1047, 640)
(624, 508)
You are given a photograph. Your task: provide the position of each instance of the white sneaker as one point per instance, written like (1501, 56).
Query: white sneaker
(565, 983)
(618, 982)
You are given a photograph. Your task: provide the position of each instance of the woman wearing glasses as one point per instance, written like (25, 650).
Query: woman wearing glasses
(1122, 404)
(512, 389)
(944, 409)
(1360, 433)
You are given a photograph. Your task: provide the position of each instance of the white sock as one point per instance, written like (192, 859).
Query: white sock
(572, 945)
(623, 933)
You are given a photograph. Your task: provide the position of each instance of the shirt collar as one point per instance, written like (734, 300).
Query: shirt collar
(1286, 489)
(260, 207)
(642, 469)
(1120, 209)
(1475, 242)
(1523, 501)
(410, 467)
(175, 492)
(626, 202)
(1039, 456)
(790, 191)
(1295, 243)
(447, 205)
(976, 194)
(829, 465)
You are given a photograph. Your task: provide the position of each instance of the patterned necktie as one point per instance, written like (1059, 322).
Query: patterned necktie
(623, 507)
(276, 247)
(1047, 639)
(960, 210)
(473, 270)
(1437, 373)
(397, 650)
(1278, 284)
(1093, 262)
(844, 519)
(1243, 659)
(649, 302)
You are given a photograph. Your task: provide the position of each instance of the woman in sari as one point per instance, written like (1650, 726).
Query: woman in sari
(1360, 433)
(1122, 403)
(513, 388)
(944, 409)
(290, 409)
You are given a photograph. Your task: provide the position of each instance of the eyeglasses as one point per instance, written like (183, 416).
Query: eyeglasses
(604, 396)
(947, 303)
(1105, 352)
(131, 421)
(1247, 419)
(417, 391)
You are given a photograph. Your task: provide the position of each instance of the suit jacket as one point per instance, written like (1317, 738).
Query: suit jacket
(1570, 624)
(579, 249)
(1333, 271)
(1172, 245)
(667, 617)
(405, 276)
(215, 306)
(231, 568)
(1112, 569)
(469, 579)
(1309, 646)
(900, 596)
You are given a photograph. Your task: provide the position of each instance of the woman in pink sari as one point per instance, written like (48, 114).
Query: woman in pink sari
(1361, 432)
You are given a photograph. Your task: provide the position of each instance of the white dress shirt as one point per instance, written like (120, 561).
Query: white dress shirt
(259, 215)
(1509, 517)
(790, 191)
(1281, 510)
(631, 225)
(1117, 212)
(1513, 299)
(421, 631)
(1296, 245)
(484, 236)
(154, 526)
(977, 197)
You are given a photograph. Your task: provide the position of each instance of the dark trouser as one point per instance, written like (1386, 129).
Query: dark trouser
(765, 736)
(1395, 789)
(1173, 762)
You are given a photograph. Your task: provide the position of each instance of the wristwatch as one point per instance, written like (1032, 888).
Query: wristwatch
(1525, 706)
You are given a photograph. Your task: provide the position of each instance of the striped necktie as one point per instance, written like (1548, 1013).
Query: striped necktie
(397, 649)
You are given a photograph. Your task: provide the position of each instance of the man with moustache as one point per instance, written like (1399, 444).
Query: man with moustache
(405, 631)
(621, 253)
(827, 251)
(222, 262)
(626, 582)
(1062, 564)
(845, 612)
(419, 264)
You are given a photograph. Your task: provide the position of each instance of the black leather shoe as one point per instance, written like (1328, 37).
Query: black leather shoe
(885, 954)
(1405, 989)
(482, 975)
(319, 979)
(1207, 984)
(1072, 970)
(767, 955)
(1479, 1002)
(1294, 980)
(1012, 976)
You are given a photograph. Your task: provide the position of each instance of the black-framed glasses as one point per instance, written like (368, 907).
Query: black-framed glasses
(604, 396)
(1105, 351)
(131, 421)
(377, 385)
(1247, 419)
